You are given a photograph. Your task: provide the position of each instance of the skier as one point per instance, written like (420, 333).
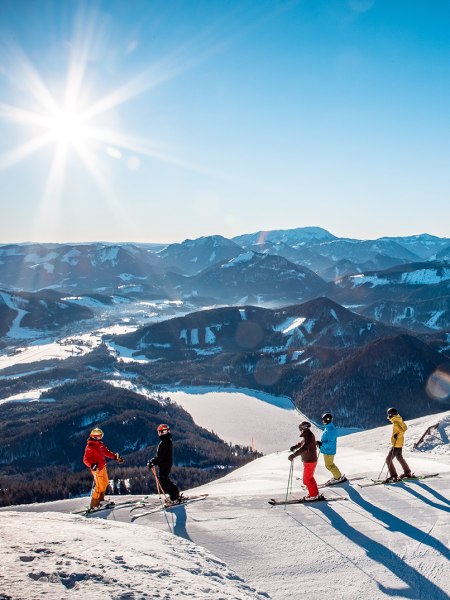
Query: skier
(327, 446)
(164, 460)
(94, 458)
(306, 448)
(398, 430)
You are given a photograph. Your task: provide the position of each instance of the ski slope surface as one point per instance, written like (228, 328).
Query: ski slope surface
(377, 542)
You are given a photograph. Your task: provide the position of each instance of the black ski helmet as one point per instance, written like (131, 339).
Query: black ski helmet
(327, 418)
(304, 425)
(391, 412)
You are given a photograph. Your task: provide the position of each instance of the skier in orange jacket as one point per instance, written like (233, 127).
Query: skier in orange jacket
(94, 458)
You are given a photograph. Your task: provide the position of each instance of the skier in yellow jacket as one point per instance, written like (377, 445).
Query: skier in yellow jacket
(397, 439)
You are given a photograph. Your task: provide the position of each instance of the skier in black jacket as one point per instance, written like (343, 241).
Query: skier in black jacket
(164, 460)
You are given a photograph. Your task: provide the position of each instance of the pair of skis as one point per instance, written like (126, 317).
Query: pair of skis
(330, 483)
(153, 507)
(167, 505)
(144, 503)
(404, 480)
(104, 506)
(321, 498)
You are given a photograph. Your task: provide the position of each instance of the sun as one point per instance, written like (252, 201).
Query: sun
(66, 127)
(74, 123)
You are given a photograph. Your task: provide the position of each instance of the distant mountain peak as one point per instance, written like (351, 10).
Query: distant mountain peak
(291, 237)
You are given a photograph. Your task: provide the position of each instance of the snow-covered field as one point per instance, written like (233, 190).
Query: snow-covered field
(252, 419)
(50, 349)
(380, 542)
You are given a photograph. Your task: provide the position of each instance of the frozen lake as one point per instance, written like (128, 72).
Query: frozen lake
(269, 423)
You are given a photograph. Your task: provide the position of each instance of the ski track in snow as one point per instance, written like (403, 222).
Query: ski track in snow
(383, 542)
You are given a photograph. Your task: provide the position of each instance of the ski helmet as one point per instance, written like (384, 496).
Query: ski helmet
(96, 434)
(304, 425)
(392, 412)
(163, 429)
(327, 418)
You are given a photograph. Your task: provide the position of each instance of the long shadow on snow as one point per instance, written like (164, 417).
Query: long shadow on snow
(418, 586)
(434, 493)
(426, 500)
(396, 524)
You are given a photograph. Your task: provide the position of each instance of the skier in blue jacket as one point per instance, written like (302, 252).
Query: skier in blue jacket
(327, 446)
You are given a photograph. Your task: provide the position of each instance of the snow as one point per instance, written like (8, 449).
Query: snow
(117, 329)
(432, 321)
(426, 276)
(241, 258)
(372, 279)
(382, 542)
(419, 277)
(71, 257)
(240, 417)
(108, 255)
(210, 337)
(16, 331)
(125, 355)
(84, 301)
(30, 396)
(194, 337)
(42, 260)
(65, 556)
(52, 350)
(290, 324)
(138, 389)
(334, 315)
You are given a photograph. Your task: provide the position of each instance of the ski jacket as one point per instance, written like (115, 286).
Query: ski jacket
(306, 448)
(95, 453)
(398, 430)
(329, 439)
(164, 454)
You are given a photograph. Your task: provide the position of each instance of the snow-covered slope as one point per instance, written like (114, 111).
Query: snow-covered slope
(63, 556)
(381, 542)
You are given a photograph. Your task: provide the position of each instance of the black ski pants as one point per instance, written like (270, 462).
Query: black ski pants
(396, 453)
(168, 486)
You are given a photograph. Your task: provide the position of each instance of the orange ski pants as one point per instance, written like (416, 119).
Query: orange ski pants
(101, 482)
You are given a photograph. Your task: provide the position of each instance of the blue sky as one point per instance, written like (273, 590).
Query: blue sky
(223, 117)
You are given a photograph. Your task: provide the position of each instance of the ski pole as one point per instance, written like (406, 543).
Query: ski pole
(385, 462)
(289, 484)
(92, 492)
(163, 502)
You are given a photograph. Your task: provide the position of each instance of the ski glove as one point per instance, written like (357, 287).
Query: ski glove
(291, 457)
(94, 467)
(395, 436)
(119, 458)
(292, 448)
(150, 464)
(318, 443)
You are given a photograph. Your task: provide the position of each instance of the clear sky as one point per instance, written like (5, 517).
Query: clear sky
(156, 121)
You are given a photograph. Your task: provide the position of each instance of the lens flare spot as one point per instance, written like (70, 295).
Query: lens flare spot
(438, 385)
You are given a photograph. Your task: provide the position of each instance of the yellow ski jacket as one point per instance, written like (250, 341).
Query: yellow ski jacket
(398, 430)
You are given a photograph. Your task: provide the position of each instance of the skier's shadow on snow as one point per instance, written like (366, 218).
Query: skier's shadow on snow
(418, 585)
(396, 524)
(180, 518)
(434, 493)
